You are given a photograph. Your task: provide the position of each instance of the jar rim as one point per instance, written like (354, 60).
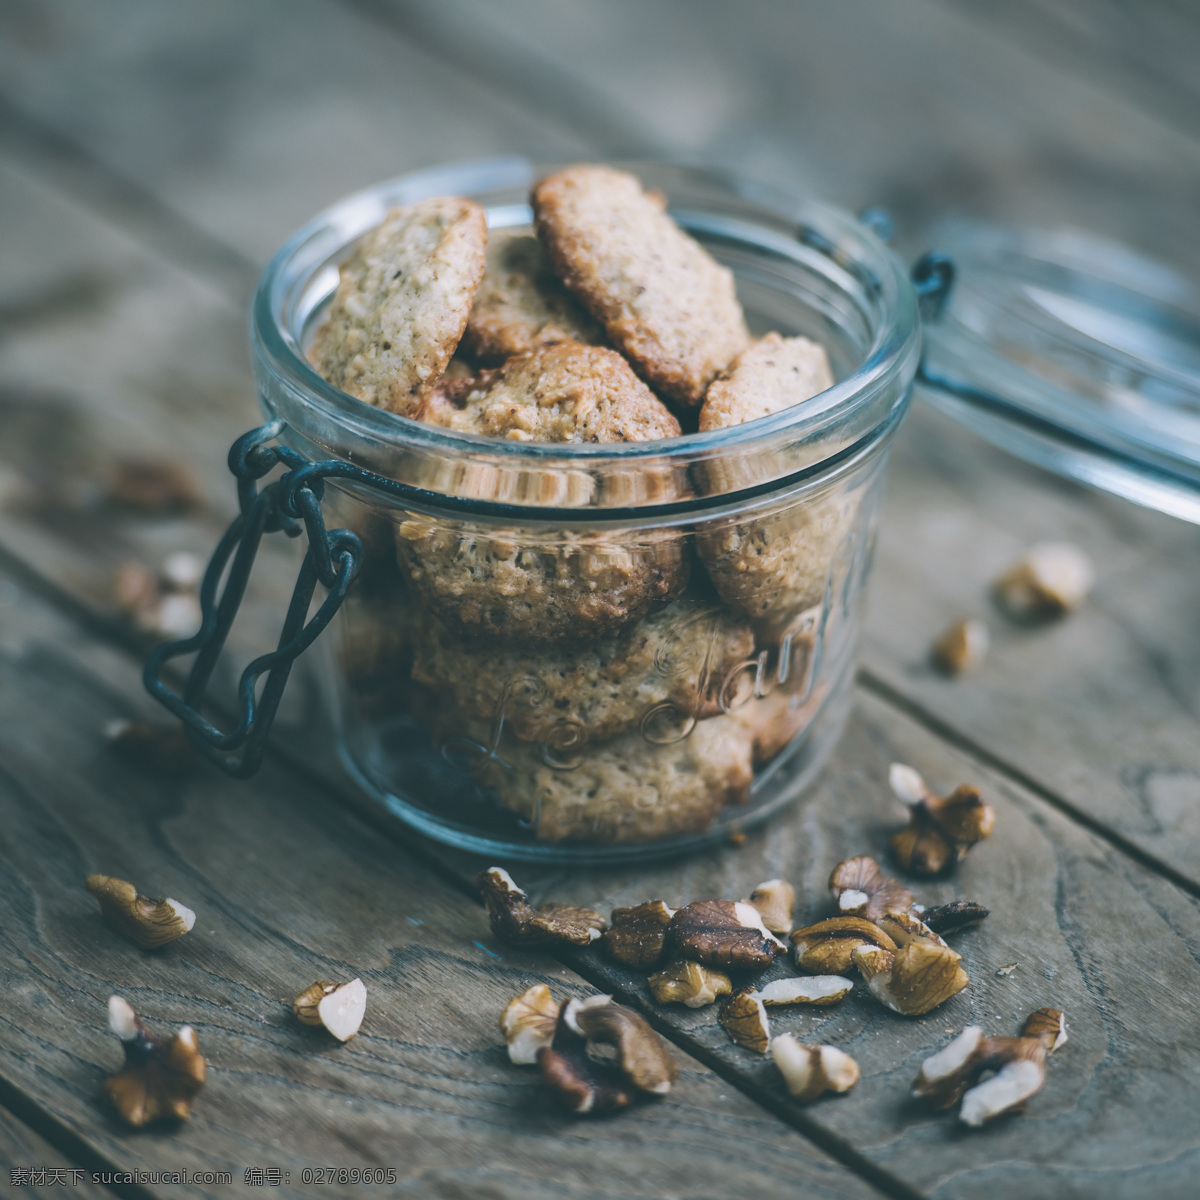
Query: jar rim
(788, 224)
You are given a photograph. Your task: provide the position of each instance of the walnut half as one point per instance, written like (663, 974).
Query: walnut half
(515, 920)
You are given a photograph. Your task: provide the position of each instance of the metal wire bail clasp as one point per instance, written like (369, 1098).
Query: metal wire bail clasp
(333, 558)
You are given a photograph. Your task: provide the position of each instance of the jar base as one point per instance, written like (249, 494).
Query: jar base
(783, 780)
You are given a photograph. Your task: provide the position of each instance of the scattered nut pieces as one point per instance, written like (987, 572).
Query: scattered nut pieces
(339, 1007)
(1019, 1064)
(916, 978)
(827, 947)
(941, 829)
(722, 933)
(586, 1085)
(1048, 1025)
(138, 919)
(744, 1018)
(950, 918)
(163, 605)
(775, 901)
(689, 983)
(1052, 579)
(818, 990)
(635, 935)
(515, 920)
(810, 1071)
(861, 889)
(155, 487)
(528, 1023)
(160, 1078)
(162, 748)
(963, 646)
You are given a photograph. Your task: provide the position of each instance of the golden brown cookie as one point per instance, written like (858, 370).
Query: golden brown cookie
(629, 789)
(774, 567)
(540, 589)
(521, 305)
(564, 393)
(664, 302)
(402, 303)
(773, 374)
(658, 674)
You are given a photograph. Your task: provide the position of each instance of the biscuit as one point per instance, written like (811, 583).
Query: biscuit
(561, 587)
(772, 568)
(629, 789)
(773, 374)
(402, 302)
(664, 302)
(660, 673)
(564, 393)
(521, 305)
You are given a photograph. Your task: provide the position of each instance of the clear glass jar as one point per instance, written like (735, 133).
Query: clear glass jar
(597, 652)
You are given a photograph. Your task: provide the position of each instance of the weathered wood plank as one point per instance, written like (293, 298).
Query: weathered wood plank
(1147, 51)
(30, 1166)
(304, 102)
(1114, 946)
(288, 887)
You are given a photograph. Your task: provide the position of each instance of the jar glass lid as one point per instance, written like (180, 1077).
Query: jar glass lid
(1073, 352)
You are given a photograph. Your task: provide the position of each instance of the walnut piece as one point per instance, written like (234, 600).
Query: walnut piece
(161, 1077)
(338, 1007)
(583, 1083)
(1052, 579)
(722, 933)
(162, 748)
(689, 983)
(827, 947)
(810, 1071)
(962, 647)
(950, 918)
(818, 990)
(775, 901)
(861, 889)
(515, 920)
(154, 486)
(744, 1018)
(916, 978)
(635, 935)
(528, 1023)
(138, 919)
(940, 830)
(1018, 1067)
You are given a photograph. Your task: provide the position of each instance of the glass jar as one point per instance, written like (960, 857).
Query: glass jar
(593, 652)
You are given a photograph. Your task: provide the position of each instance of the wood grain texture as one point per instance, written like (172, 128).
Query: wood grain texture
(23, 1150)
(1114, 946)
(288, 887)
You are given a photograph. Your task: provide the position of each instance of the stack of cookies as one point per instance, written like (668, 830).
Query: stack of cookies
(608, 685)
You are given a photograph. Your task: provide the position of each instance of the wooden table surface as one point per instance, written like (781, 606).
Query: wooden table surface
(154, 155)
